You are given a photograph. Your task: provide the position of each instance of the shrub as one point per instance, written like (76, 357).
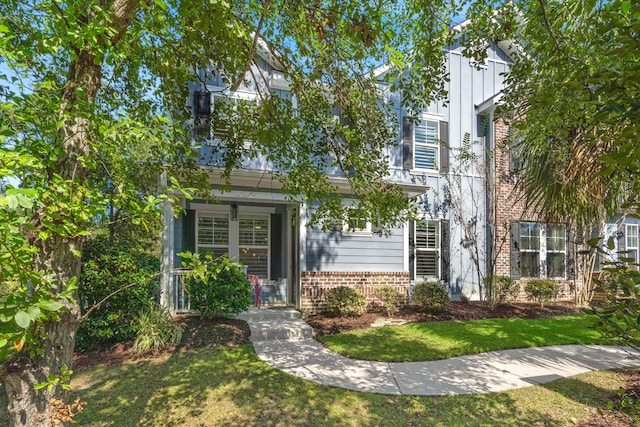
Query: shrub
(120, 266)
(506, 289)
(541, 290)
(155, 330)
(430, 297)
(346, 302)
(216, 287)
(390, 298)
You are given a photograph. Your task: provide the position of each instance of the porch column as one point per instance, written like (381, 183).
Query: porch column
(166, 256)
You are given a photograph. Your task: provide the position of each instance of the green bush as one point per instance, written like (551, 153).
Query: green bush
(430, 297)
(216, 287)
(506, 289)
(541, 290)
(114, 265)
(617, 315)
(155, 330)
(390, 298)
(346, 302)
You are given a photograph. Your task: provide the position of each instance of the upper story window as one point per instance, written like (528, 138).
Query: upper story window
(425, 144)
(631, 243)
(539, 250)
(214, 114)
(426, 139)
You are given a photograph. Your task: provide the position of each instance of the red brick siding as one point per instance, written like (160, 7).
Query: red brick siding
(316, 284)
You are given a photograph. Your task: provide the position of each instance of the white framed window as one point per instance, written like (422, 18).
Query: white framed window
(543, 250)
(253, 242)
(212, 234)
(426, 144)
(355, 225)
(427, 246)
(556, 251)
(631, 242)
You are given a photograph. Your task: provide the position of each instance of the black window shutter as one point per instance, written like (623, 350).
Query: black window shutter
(276, 246)
(202, 104)
(412, 250)
(444, 147)
(571, 258)
(515, 250)
(407, 143)
(189, 231)
(445, 251)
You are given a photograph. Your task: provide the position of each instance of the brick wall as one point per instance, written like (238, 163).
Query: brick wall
(316, 284)
(510, 206)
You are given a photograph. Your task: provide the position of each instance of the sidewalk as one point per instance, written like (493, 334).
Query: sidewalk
(291, 348)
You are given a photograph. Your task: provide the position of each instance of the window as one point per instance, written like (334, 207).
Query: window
(213, 234)
(427, 245)
(356, 225)
(631, 242)
(530, 249)
(540, 250)
(253, 243)
(556, 251)
(426, 141)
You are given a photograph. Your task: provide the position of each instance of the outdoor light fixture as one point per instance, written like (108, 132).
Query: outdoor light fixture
(234, 212)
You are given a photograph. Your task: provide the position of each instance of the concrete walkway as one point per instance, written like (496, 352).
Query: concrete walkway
(283, 340)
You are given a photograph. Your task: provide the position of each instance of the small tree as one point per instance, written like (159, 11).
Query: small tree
(541, 290)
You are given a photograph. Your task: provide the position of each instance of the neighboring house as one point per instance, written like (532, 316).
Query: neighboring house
(297, 264)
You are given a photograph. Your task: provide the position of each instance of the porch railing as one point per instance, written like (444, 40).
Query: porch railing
(180, 296)
(271, 292)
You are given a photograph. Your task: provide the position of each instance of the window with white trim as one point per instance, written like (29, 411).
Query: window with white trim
(556, 251)
(427, 246)
(212, 234)
(631, 242)
(426, 137)
(253, 241)
(543, 250)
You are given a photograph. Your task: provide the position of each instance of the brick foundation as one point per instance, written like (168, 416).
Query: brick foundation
(316, 284)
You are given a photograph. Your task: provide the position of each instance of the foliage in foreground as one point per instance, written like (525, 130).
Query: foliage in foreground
(216, 286)
(122, 268)
(346, 302)
(618, 315)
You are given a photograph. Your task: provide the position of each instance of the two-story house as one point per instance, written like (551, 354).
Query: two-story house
(297, 263)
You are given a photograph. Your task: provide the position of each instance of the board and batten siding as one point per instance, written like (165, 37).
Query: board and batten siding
(338, 251)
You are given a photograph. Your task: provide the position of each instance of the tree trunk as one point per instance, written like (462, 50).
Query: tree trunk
(31, 407)
(45, 407)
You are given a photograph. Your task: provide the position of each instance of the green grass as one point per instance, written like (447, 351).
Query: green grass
(213, 386)
(232, 387)
(442, 340)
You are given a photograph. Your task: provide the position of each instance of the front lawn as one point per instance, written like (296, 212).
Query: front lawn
(442, 340)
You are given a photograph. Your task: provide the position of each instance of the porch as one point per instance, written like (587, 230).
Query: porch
(271, 292)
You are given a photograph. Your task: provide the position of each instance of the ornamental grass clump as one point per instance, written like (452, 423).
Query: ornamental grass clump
(346, 302)
(155, 330)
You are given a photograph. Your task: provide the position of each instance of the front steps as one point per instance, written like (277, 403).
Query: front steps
(276, 324)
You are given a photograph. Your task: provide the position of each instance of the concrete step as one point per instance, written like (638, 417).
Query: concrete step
(280, 313)
(276, 324)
